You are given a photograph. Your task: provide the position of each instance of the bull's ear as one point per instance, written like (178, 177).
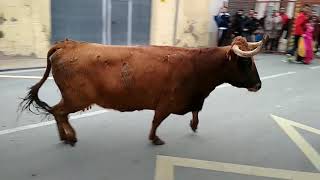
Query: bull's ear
(229, 54)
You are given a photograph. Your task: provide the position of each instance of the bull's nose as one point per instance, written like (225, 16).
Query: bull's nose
(258, 86)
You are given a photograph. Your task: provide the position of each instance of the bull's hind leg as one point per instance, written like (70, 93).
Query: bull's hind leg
(195, 121)
(159, 116)
(66, 131)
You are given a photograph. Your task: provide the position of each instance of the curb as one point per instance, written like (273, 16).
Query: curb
(16, 69)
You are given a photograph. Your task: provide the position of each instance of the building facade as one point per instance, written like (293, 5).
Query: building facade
(25, 27)
(30, 27)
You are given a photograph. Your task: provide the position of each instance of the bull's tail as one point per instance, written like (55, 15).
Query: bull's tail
(32, 98)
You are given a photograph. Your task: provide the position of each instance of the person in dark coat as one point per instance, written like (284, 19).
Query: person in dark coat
(238, 21)
(284, 21)
(223, 23)
(250, 25)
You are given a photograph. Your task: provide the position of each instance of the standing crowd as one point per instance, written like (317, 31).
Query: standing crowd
(277, 26)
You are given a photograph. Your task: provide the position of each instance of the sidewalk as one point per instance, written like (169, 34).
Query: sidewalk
(19, 62)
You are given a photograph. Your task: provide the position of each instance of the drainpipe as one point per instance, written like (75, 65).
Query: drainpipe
(176, 23)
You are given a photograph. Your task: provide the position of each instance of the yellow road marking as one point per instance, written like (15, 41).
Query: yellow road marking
(165, 169)
(295, 136)
(165, 164)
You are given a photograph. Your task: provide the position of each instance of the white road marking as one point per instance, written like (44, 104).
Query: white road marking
(314, 67)
(23, 77)
(22, 71)
(89, 114)
(165, 169)
(262, 78)
(22, 128)
(295, 136)
(277, 75)
(31, 126)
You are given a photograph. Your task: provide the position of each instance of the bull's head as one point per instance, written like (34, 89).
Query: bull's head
(242, 71)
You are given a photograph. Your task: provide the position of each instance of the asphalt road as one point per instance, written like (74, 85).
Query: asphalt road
(238, 138)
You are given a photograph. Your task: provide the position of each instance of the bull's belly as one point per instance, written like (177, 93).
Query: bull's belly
(125, 107)
(128, 104)
(139, 107)
(125, 103)
(186, 108)
(151, 99)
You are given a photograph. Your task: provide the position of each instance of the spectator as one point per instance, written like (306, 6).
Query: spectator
(272, 28)
(237, 23)
(316, 33)
(247, 25)
(278, 29)
(299, 22)
(259, 33)
(284, 21)
(223, 23)
(308, 38)
(251, 24)
(262, 20)
(251, 12)
(255, 26)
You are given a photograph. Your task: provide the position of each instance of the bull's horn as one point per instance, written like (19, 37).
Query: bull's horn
(253, 45)
(241, 53)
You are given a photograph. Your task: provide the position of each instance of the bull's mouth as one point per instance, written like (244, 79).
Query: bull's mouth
(254, 89)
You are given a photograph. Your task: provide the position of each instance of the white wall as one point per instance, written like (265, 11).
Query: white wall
(27, 27)
(186, 25)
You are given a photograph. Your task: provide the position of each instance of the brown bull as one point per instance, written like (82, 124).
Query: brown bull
(164, 79)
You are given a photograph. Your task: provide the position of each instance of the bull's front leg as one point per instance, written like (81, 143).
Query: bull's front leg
(195, 121)
(159, 116)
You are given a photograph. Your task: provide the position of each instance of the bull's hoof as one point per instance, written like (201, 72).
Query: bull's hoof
(193, 127)
(157, 141)
(69, 137)
(71, 143)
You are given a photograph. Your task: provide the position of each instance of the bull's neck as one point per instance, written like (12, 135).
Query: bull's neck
(211, 67)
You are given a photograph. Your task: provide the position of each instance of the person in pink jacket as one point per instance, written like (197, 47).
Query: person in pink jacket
(308, 41)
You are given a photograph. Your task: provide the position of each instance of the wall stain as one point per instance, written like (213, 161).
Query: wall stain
(13, 19)
(190, 30)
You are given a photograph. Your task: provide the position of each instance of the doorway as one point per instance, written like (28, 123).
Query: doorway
(118, 22)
